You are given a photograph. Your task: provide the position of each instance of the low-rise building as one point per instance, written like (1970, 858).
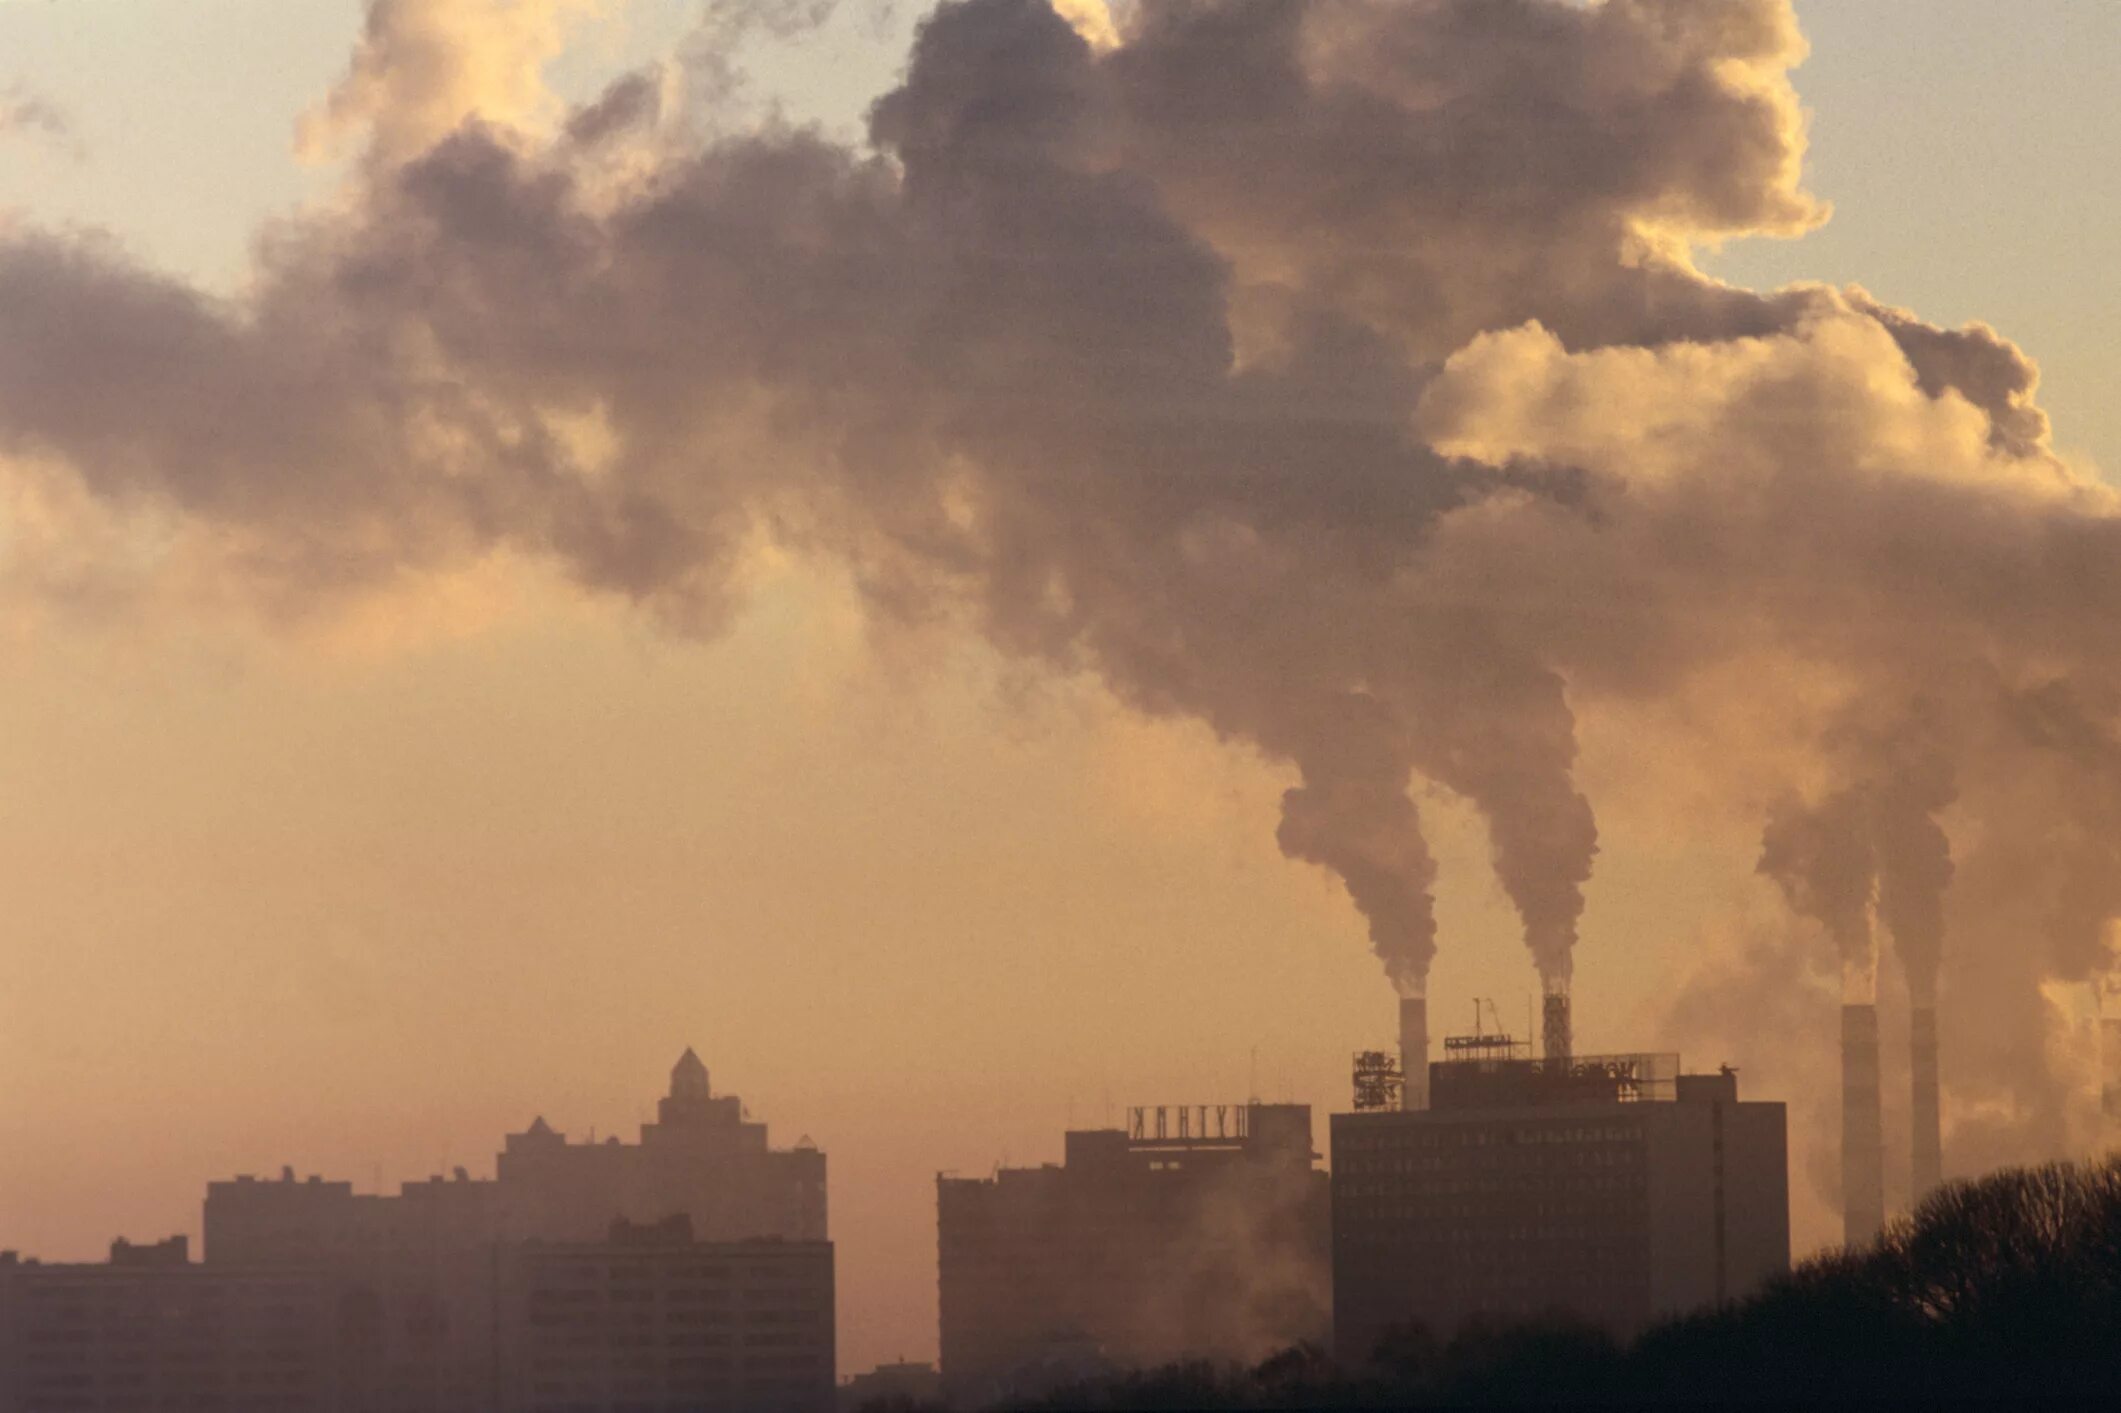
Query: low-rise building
(1197, 1231)
(151, 1330)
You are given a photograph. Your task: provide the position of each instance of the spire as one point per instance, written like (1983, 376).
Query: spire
(688, 1077)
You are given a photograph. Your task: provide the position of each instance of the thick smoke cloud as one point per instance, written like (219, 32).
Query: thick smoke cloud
(1333, 372)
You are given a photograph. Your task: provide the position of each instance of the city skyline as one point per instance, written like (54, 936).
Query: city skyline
(310, 861)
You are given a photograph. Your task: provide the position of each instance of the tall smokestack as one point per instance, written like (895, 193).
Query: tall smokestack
(1557, 1032)
(1926, 1145)
(1414, 1052)
(1862, 1141)
(2110, 1035)
(2110, 1065)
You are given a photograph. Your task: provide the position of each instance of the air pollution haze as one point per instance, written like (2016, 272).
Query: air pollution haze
(1337, 380)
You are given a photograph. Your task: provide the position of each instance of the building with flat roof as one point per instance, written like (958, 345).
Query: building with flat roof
(1612, 1187)
(651, 1319)
(150, 1329)
(902, 1384)
(1196, 1231)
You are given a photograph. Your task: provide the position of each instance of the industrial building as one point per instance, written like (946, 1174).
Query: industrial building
(1610, 1186)
(702, 1251)
(1196, 1231)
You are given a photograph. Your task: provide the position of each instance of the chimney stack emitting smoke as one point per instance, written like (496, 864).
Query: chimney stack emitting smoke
(1414, 1052)
(2110, 1064)
(1862, 1141)
(2110, 1037)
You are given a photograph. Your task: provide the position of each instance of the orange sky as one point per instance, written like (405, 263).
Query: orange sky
(362, 897)
(363, 910)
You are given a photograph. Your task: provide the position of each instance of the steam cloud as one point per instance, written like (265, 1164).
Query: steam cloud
(1333, 372)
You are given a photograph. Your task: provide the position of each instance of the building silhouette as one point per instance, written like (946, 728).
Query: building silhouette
(652, 1318)
(689, 1269)
(1197, 1231)
(150, 1329)
(1612, 1187)
(902, 1384)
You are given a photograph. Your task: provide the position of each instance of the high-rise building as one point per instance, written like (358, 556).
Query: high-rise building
(1612, 1187)
(651, 1319)
(1197, 1231)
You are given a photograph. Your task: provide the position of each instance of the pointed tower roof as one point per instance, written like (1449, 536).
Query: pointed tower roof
(539, 1127)
(688, 1077)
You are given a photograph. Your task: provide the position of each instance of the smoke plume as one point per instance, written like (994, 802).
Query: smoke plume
(1823, 860)
(29, 114)
(1332, 372)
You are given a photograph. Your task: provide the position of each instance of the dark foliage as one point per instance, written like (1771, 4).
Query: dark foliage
(2003, 1289)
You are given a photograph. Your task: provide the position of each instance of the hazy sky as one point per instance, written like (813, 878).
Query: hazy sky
(362, 896)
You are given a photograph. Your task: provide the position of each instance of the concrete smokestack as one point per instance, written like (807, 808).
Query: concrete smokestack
(1926, 1145)
(2110, 1035)
(1862, 1136)
(1414, 1052)
(2110, 1063)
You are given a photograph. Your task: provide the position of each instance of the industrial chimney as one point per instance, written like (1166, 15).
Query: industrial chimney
(1556, 1034)
(2110, 1060)
(1926, 1144)
(2110, 1045)
(1862, 1139)
(1414, 1052)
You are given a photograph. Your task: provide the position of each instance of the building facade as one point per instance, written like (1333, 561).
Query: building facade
(1610, 1187)
(1198, 1231)
(653, 1320)
(152, 1330)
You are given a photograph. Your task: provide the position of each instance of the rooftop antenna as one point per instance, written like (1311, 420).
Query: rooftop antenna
(1494, 1013)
